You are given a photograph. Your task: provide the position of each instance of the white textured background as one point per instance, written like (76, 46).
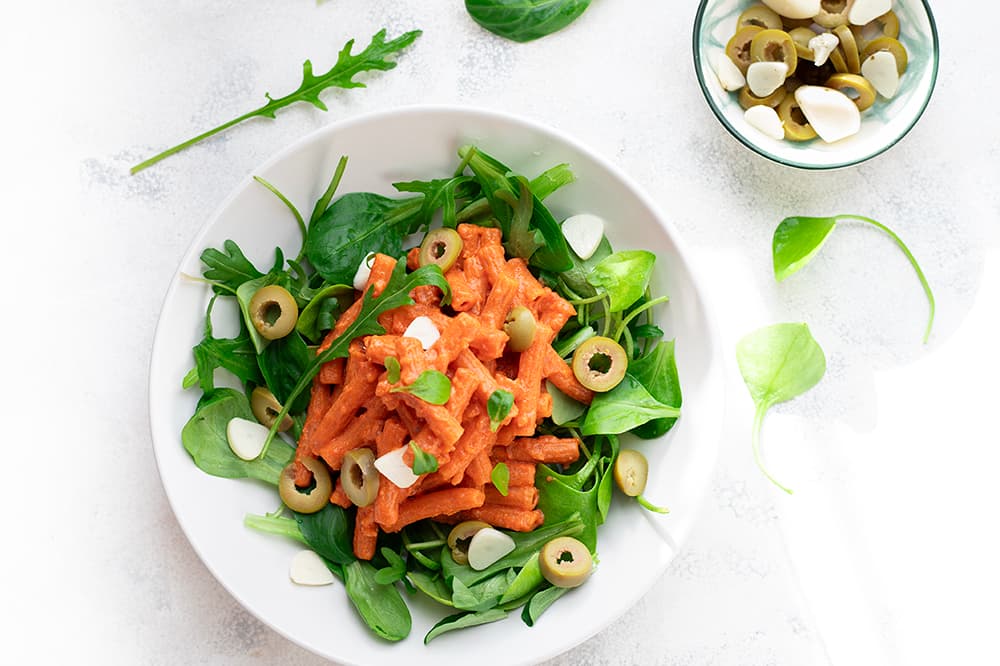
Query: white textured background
(887, 554)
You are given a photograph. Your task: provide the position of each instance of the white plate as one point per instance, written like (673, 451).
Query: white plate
(419, 143)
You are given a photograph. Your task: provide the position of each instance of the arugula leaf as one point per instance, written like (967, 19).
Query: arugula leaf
(236, 355)
(498, 407)
(392, 369)
(623, 408)
(431, 386)
(657, 372)
(500, 477)
(778, 363)
(525, 20)
(623, 276)
(522, 241)
(204, 438)
(380, 606)
(423, 462)
(230, 267)
(798, 239)
(340, 75)
(463, 621)
(395, 294)
(438, 194)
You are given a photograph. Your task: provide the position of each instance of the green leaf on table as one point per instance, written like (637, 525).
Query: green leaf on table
(623, 408)
(423, 462)
(432, 386)
(623, 276)
(797, 240)
(500, 478)
(464, 621)
(778, 363)
(340, 75)
(204, 438)
(498, 407)
(525, 20)
(657, 372)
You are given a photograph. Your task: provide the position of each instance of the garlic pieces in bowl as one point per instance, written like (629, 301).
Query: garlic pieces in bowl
(842, 79)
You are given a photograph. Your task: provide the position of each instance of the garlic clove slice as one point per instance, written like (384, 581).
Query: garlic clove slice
(822, 46)
(394, 468)
(830, 112)
(363, 272)
(730, 76)
(765, 119)
(308, 568)
(487, 546)
(795, 9)
(246, 438)
(422, 328)
(766, 77)
(881, 71)
(584, 232)
(863, 11)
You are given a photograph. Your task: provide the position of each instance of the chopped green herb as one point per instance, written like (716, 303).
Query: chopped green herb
(500, 476)
(498, 407)
(431, 386)
(392, 369)
(423, 462)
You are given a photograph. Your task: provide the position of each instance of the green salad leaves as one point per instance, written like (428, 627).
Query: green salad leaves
(798, 239)
(778, 363)
(340, 75)
(525, 20)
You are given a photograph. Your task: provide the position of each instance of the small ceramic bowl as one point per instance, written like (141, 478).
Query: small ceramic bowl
(882, 125)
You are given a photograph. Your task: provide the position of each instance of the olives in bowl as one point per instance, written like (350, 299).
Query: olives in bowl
(816, 84)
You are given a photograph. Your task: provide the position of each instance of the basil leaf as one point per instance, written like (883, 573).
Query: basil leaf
(623, 408)
(778, 363)
(431, 386)
(500, 477)
(623, 276)
(423, 462)
(525, 20)
(498, 407)
(392, 369)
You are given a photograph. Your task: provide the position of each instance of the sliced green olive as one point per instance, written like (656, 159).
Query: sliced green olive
(838, 61)
(774, 46)
(631, 471)
(801, 37)
(599, 363)
(565, 562)
(791, 24)
(891, 45)
(273, 312)
(738, 48)
(886, 25)
(520, 328)
(441, 247)
(855, 86)
(760, 16)
(832, 13)
(460, 536)
(359, 477)
(312, 498)
(266, 408)
(850, 48)
(797, 128)
(748, 99)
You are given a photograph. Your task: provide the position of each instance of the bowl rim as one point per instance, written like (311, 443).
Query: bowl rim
(699, 74)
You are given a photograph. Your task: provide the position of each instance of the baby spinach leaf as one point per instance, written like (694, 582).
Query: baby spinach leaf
(329, 532)
(204, 438)
(525, 20)
(778, 363)
(431, 386)
(498, 407)
(282, 362)
(623, 276)
(564, 408)
(340, 75)
(576, 277)
(527, 580)
(431, 584)
(484, 595)
(540, 603)
(319, 315)
(229, 267)
(423, 462)
(268, 524)
(236, 355)
(623, 408)
(464, 621)
(500, 477)
(380, 606)
(646, 331)
(798, 239)
(392, 369)
(561, 496)
(657, 372)
(396, 569)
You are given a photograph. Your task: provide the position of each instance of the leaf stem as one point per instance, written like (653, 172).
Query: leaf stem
(190, 142)
(324, 201)
(910, 258)
(648, 506)
(288, 204)
(758, 424)
(635, 313)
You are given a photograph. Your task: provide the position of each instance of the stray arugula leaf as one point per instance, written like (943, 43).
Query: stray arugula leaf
(395, 294)
(498, 407)
(623, 408)
(623, 276)
(229, 268)
(340, 75)
(500, 477)
(431, 386)
(423, 462)
(396, 569)
(463, 621)
(525, 20)
(798, 239)
(392, 369)
(778, 363)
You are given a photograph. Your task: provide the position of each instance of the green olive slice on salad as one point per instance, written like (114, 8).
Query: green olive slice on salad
(565, 562)
(460, 536)
(760, 16)
(359, 477)
(273, 312)
(850, 47)
(599, 363)
(891, 45)
(265, 408)
(312, 498)
(801, 37)
(774, 46)
(631, 471)
(797, 128)
(738, 47)
(855, 86)
(441, 247)
(520, 328)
